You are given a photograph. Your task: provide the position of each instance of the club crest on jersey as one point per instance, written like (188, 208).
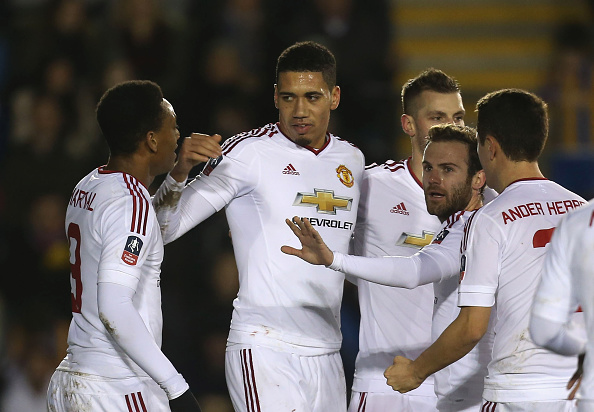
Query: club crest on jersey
(414, 240)
(132, 250)
(345, 176)
(324, 201)
(462, 268)
(212, 163)
(441, 236)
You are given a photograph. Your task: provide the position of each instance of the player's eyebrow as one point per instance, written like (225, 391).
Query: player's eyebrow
(449, 164)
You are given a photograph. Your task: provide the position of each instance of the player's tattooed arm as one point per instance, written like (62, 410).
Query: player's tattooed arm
(313, 249)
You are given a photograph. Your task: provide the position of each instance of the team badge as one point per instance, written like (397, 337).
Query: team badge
(132, 250)
(462, 267)
(345, 176)
(441, 236)
(212, 163)
(324, 201)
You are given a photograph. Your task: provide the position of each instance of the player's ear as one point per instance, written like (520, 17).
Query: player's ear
(151, 141)
(479, 180)
(492, 146)
(335, 97)
(408, 124)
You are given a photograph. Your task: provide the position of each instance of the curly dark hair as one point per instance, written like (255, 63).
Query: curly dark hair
(127, 112)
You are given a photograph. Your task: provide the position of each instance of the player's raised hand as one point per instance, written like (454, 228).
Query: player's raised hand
(313, 249)
(401, 375)
(195, 149)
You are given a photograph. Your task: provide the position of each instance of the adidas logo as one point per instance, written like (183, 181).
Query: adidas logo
(400, 209)
(290, 170)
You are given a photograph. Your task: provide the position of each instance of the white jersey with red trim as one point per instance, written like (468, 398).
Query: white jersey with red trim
(262, 178)
(111, 225)
(503, 254)
(393, 221)
(568, 283)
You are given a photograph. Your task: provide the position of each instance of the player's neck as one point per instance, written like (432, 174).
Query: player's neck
(513, 171)
(476, 201)
(132, 165)
(416, 165)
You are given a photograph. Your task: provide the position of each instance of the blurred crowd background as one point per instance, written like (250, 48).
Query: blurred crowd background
(215, 60)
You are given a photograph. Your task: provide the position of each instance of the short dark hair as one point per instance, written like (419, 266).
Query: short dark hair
(308, 56)
(462, 134)
(517, 119)
(430, 79)
(127, 112)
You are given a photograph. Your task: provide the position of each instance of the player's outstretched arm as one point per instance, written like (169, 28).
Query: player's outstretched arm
(195, 149)
(313, 249)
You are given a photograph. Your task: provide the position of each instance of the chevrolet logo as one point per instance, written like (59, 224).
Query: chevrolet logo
(324, 201)
(416, 241)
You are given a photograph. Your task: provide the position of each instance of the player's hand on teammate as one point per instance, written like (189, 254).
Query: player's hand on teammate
(313, 249)
(401, 375)
(576, 380)
(186, 402)
(195, 149)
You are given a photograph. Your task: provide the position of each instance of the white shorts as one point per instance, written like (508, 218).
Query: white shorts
(543, 406)
(463, 405)
(585, 405)
(73, 392)
(264, 380)
(388, 402)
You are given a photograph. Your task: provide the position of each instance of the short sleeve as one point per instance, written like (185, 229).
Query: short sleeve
(126, 228)
(480, 262)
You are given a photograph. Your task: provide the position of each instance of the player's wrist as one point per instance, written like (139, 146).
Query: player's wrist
(419, 371)
(180, 173)
(336, 263)
(175, 386)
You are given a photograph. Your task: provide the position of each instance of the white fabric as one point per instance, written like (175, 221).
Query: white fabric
(459, 385)
(289, 304)
(565, 339)
(567, 282)
(192, 211)
(265, 380)
(393, 221)
(116, 309)
(390, 401)
(115, 243)
(503, 255)
(68, 392)
(534, 406)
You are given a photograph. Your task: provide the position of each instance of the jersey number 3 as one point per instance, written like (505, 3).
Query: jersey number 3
(76, 294)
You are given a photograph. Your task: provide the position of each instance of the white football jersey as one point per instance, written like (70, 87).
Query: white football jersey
(111, 226)
(263, 178)
(503, 253)
(393, 221)
(568, 283)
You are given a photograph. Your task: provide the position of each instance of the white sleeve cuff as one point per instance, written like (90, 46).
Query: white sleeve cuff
(336, 262)
(175, 386)
(174, 184)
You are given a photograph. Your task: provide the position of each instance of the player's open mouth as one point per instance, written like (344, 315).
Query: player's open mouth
(302, 128)
(436, 195)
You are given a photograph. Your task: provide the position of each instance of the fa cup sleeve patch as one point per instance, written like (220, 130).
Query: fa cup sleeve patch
(212, 163)
(132, 250)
